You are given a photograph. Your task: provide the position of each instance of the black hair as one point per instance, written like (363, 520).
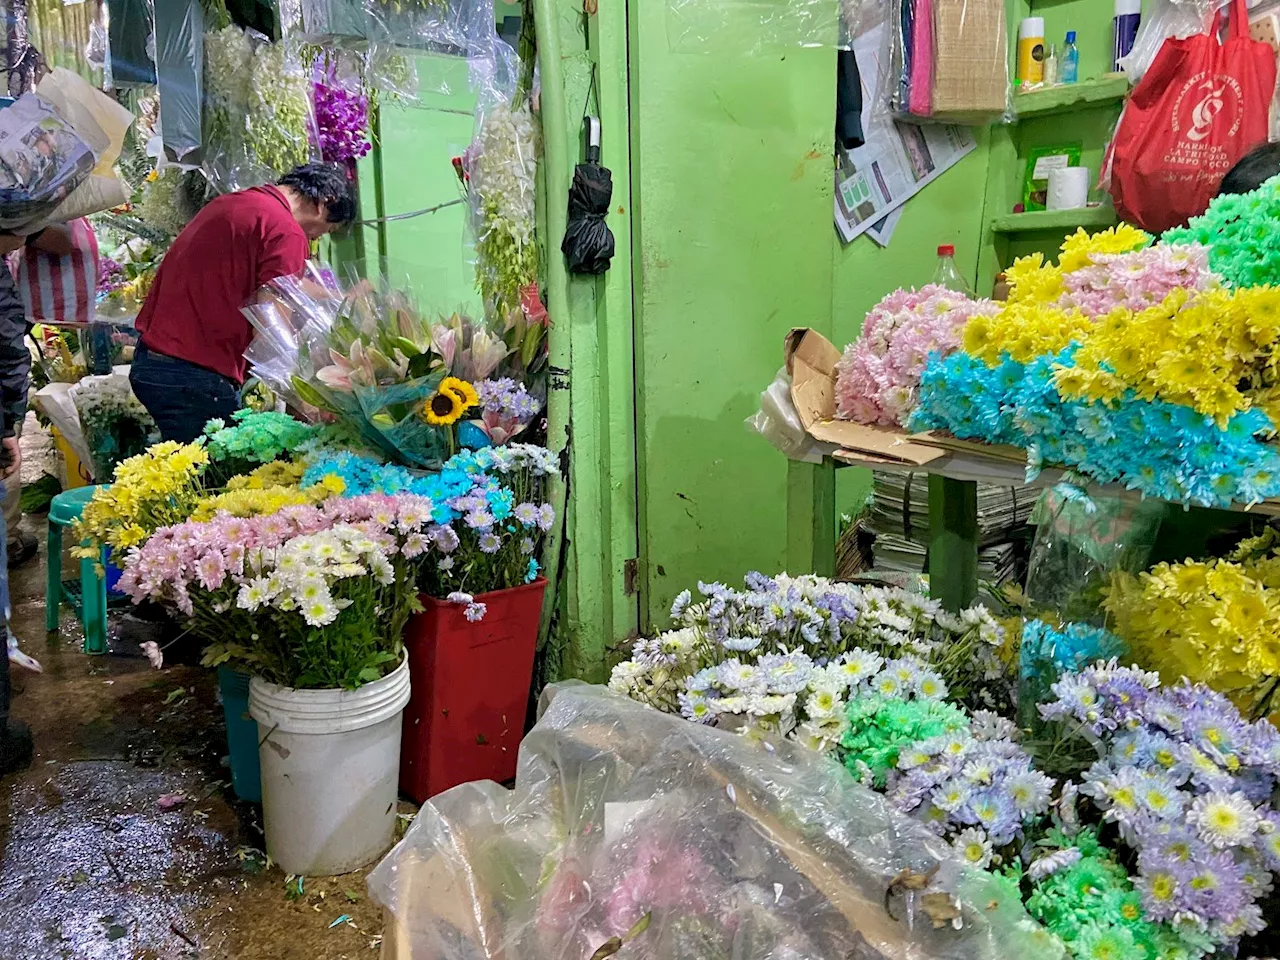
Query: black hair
(325, 183)
(1252, 170)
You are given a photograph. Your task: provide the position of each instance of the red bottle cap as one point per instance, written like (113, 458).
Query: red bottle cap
(947, 250)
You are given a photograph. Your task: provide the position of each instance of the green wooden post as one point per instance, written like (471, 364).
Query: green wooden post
(953, 541)
(811, 518)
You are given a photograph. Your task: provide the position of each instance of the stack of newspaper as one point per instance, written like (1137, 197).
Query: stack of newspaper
(899, 519)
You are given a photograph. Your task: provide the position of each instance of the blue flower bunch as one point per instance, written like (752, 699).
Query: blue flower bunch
(1046, 653)
(1161, 449)
(1189, 781)
(488, 508)
(1069, 649)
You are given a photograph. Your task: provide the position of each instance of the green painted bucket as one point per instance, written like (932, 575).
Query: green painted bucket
(242, 735)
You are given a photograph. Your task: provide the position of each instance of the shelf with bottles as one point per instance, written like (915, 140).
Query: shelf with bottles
(1066, 97)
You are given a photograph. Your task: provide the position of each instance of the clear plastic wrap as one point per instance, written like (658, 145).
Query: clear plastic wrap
(945, 61)
(779, 423)
(179, 40)
(752, 26)
(1081, 539)
(369, 357)
(638, 831)
(54, 401)
(1167, 18)
(258, 117)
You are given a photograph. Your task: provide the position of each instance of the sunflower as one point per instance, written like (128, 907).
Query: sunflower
(453, 398)
(442, 409)
(464, 391)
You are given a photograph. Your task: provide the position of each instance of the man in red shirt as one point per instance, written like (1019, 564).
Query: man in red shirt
(189, 364)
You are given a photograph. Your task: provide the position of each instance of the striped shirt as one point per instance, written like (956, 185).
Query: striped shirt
(58, 289)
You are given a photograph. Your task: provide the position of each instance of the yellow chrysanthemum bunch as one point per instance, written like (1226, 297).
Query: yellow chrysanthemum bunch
(1216, 351)
(1215, 621)
(1024, 331)
(1080, 249)
(149, 491)
(277, 473)
(257, 501)
(1032, 322)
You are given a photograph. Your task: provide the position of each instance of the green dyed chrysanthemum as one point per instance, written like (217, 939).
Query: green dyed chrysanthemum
(1240, 233)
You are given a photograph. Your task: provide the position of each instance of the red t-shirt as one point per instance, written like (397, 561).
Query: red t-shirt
(232, 247)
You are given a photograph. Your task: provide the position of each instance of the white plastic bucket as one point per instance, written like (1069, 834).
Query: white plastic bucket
(330, 768)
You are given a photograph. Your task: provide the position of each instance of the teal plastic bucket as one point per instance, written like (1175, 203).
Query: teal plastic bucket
(242, 735)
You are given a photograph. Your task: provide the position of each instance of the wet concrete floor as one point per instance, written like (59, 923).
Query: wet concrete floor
(93, 865)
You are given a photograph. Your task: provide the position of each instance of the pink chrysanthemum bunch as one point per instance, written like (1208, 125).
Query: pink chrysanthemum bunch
(202, 557)
(879, 374)
(1136, 280)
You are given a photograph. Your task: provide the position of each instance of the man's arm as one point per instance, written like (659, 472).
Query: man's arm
(54, 239)
(15, 372)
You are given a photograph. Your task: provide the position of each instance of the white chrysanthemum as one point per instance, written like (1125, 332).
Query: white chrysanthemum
(1051, 863)
(1030, 791)
(1224, 819)
(973, 847)
(823, 703)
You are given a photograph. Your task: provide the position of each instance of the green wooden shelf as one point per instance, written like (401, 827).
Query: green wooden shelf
(1065, 220)
(1064, 98)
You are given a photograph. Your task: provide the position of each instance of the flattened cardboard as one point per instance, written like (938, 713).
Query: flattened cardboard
(995, 451)
(811, 361)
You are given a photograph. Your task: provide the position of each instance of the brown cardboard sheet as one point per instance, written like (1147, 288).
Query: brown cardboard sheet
(811, 361)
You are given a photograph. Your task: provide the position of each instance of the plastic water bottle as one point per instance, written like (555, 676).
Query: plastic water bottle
(946, 274)
(1069, 62)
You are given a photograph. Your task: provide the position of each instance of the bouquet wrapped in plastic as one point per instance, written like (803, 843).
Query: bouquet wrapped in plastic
(413, 386)
(635, 833)
(42, 159)
(114, 424)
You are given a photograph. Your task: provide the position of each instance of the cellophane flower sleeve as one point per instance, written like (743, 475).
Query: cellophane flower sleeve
(633, 830)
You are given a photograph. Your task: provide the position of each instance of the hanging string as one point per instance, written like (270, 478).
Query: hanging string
(412, 213)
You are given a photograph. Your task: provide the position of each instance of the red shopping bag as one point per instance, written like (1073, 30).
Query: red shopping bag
(1200, 107)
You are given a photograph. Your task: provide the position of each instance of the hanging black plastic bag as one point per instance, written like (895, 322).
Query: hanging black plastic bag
(588, 241)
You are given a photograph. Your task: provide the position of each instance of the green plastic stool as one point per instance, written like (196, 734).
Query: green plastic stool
(88, 595)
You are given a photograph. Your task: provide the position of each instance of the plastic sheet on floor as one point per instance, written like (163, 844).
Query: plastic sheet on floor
(638, 834)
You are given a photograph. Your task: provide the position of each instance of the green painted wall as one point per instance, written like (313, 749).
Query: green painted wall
(430, 254)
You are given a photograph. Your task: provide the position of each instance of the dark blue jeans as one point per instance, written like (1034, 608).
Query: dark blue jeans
(180, 396)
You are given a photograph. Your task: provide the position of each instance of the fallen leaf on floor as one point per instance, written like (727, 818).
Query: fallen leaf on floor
(177, 693)
(351, 895)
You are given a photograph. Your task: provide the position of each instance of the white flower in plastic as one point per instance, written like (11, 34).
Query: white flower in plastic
(973, 847)
(625, 676)
(823, 704)
(1051, 863)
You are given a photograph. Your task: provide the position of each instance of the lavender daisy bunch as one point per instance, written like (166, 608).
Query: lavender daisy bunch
(826, 619)
(1187, 781)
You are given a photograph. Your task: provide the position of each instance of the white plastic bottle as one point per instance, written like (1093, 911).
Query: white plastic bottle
(946, 274)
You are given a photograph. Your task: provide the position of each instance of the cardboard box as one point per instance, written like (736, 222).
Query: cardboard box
(811, 360)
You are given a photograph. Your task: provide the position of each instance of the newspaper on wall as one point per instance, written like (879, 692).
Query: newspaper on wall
(897, 161)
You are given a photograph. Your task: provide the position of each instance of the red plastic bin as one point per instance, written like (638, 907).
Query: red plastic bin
(469, 689)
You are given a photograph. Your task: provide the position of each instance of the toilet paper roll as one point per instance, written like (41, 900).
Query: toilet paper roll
(1068, 188)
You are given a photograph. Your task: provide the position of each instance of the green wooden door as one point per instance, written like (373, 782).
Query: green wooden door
(732, 190)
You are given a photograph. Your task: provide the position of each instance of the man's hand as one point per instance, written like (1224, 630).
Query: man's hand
(13, 454)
